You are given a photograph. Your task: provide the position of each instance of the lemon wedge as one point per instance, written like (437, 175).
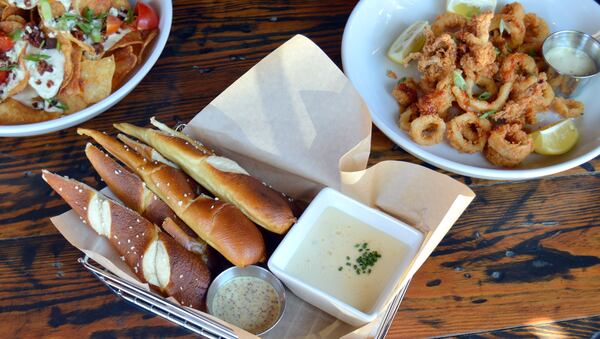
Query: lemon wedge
(469, 8)
(558, 138)
(411, 40)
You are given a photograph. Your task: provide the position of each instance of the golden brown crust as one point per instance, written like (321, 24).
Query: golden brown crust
(238, 239)
(260, 203)
(187, 278)
(131, 190)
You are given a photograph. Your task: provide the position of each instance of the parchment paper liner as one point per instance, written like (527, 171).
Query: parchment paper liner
(295, 121)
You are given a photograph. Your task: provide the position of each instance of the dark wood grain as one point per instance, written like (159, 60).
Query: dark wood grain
(523, 261)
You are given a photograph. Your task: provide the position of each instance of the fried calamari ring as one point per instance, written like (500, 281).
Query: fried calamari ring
(406, 92)
(568, 108)
(448, 23)
(488, 85)
(427, 130)
(516, 65)
(508, 145)
(408, 116)
(470, 104)
(468, 133)
(514, 29)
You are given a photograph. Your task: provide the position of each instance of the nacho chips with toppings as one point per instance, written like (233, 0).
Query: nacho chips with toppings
(60, 56)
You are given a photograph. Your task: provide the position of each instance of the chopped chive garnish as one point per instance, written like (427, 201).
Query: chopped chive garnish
(16, 34)
(485, 96)
(36, 57)
(459, 81)
(487, 114)
(8, 67)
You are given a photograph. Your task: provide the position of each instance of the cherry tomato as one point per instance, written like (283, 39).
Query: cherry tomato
(3, 76)
(112, 24)
(6, 43)
(146, 16)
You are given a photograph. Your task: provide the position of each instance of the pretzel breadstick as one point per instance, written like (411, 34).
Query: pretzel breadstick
(222, 176)
(152, 255)
(132, 191)
(220, 224)
(145, 150)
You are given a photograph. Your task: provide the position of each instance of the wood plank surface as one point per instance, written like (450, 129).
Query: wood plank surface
(523, 261)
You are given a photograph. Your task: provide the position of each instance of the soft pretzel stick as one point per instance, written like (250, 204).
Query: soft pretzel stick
(220, 224)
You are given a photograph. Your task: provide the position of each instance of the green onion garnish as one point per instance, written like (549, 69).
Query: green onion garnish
(485, 96)
(487, 114)
(46, 10)
(8, 67)
(459, 81)
(36, 57)
(16, 34)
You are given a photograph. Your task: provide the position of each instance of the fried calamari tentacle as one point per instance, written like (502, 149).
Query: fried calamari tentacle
(427, 130)
(568, 108)
(512, 28)
(547, 97)
(508, 145)
(470, 104)
(438, 57)
(479, 26)
(536, 31)
(438, 101)
(408, 116)
(479, 55)
(468, 133)
(448, 23)
(517, 65)
(406, 92)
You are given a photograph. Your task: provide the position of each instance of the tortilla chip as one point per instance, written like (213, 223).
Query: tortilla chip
(86, 48)
(66, 47)
(99, 6)
(12, 10)
(10, 26)
(147, 40)
(75, 103)
(73, 85)
(121, 4)
(16, 18)
(13, 112)
(131, 38)
(57, 8)
(96, 78)
(125, 61)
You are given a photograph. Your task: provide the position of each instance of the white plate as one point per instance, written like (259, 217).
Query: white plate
(164, 9)
(373, 26)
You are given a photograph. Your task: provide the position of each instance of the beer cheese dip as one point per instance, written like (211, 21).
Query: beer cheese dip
(347, 259)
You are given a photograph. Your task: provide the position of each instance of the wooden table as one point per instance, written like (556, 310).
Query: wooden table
(523, 260)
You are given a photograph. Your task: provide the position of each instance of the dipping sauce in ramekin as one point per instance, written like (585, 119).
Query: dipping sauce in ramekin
(250, 298)
(574, 59)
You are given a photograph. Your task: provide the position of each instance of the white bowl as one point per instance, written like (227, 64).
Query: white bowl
(164, 10)
(373, 26)
(403, 236)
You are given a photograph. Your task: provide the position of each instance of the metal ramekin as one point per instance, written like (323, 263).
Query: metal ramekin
(248, 271)
(565, 84)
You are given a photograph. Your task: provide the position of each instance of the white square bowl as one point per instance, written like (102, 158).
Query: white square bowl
(292, 243)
